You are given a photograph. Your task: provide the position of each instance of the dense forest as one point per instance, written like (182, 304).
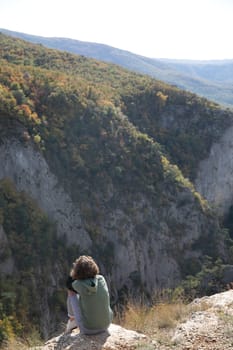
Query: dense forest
(211, 79)
(102, 130)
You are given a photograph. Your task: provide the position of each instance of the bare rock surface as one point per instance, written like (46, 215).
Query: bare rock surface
(132, 259)
(117, 338)
(214, 179)
(209, 327)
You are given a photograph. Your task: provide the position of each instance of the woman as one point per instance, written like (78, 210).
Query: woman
(88, 300)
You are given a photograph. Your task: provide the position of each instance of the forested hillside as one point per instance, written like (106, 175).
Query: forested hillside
(122, 149)
(211, 79)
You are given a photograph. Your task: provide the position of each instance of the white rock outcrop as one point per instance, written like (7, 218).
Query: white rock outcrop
(215, 174)
(116, 338)
(209, 326)
(30, 172)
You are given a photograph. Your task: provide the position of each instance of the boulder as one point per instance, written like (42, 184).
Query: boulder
(116, 338)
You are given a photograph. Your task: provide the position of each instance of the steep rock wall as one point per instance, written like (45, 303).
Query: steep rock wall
(215, 174)
(6, 259)
(30, 173)
(149, 258)
(139, 251)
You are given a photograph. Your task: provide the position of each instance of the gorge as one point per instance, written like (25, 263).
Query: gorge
(98, 160)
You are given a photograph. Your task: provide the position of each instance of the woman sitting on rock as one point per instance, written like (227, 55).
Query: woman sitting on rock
(88, 301)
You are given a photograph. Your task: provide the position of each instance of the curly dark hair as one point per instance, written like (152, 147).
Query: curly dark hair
(84, 267)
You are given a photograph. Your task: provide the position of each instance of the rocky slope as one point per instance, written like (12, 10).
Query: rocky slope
(210, 327)
(207, 327)
(152, 247)
(214, 178)
(116, 338)
(28, 169)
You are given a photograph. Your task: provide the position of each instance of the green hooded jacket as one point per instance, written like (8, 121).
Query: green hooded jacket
(94, 302)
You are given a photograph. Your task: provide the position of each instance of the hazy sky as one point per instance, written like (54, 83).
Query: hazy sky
(193, 29)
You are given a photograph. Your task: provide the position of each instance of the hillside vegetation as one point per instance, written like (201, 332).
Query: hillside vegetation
(113, 138)
(211, 79)
(183, 123)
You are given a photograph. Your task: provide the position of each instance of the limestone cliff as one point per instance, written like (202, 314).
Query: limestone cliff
(214, 179)
(6, 258)
(139, 249)
(30, 173)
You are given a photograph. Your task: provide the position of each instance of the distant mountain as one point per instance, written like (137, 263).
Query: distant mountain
(211, 79)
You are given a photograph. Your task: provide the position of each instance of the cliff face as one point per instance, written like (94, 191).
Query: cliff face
(29, 171)
(7, 261)
(214, 178)
(138, 249)
(141, 248)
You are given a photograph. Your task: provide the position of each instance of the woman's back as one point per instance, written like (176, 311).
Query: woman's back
(94, 302)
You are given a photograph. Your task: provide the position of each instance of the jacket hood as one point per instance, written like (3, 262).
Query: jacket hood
(88, 286)
(91, 285)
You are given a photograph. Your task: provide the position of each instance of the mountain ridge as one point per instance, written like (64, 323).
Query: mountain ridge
(195, 76)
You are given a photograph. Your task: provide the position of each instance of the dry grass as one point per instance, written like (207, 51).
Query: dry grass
(168, 315)
(151, 320)
(227, 320)
(32, 341)
(14, 345)
(157, 322)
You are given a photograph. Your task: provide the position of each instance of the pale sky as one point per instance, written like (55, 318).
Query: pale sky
(184, 29)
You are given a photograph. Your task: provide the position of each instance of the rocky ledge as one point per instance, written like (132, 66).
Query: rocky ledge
(116, 338)
(208, 326)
